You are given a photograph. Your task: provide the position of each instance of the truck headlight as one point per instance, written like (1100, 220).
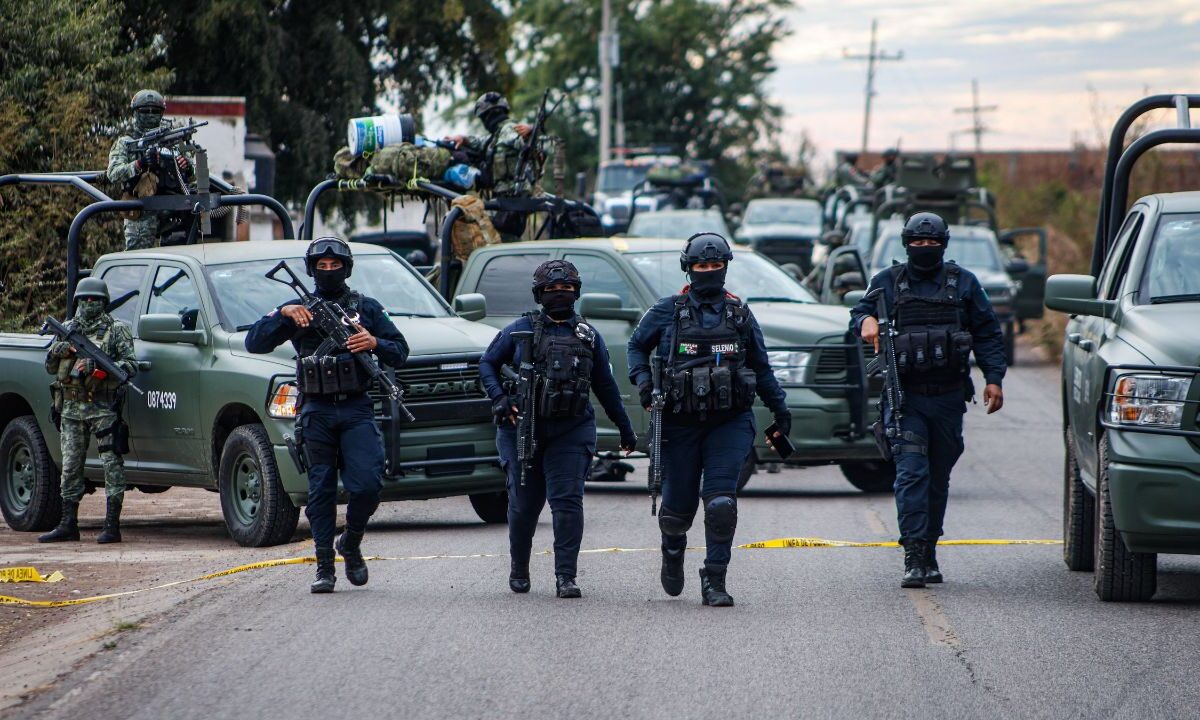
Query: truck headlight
(789, 365)
(1001, 295)
(1150, 400)
(283, 401)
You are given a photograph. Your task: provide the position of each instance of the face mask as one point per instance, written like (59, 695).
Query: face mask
(492, 121)
(708, 285)
(559, 304)
(147, 121)
(330, 283)
(926, 259)
(89, 310)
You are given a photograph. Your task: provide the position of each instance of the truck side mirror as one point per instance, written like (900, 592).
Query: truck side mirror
(168, 328)
(853, 297)
(1076, 294)
(470, 306)
(606, 306)
(1017, 266)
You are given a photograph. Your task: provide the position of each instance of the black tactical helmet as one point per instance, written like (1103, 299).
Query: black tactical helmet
(925, 226)
(488, 102)
(147, 99)
(328, 247)
(891, 154)
(850, 157)
(555, 271)
(92, 287)
(704, 246)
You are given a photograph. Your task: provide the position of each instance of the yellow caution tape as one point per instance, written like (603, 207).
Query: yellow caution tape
(28, 574)
(792, 542)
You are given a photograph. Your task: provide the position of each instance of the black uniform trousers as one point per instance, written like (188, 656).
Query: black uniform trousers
(923, 480)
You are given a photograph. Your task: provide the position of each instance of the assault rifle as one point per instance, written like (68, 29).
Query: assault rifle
(527, 446)
(885, 362)
(85, 348)
(332, 321)
(657, 401)
(163, 137)
(528, 170)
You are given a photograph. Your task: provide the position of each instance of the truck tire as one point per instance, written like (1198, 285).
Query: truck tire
(30, 496)
(1010, 343)
(1121, 575)
(492, 508)
(258, 513)
(871, 476)
(748, 469)
(1079, 514)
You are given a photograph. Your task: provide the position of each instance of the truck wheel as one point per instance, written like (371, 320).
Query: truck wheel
(492, 508)
(748, 469)
(1079, 515)
(257, 511)
(872, 476)
(29, 482)
(1121, 575)
(1010, 344)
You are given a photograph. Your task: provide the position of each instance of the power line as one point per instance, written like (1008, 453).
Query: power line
(977, 127)
(873, 56)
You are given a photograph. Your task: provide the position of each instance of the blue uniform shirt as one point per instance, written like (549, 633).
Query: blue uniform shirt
(274, 329)
(505, 351)
(980, 317)
(656, 333)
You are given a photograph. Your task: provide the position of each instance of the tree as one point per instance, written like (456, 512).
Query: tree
(64, 89)
(693, 74)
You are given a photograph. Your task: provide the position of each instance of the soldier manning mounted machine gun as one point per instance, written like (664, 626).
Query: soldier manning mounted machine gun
(161, 147)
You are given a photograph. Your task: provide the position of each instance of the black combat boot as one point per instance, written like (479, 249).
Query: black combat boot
(914, 563)
(712, 586)
(112, 521)
(348, 544)
(68, 526)
(518, 577)
(566, 587)
(932, 573)
(672, 571)
(326, 578)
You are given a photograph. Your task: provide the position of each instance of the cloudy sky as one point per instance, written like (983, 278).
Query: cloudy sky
(1036, 60)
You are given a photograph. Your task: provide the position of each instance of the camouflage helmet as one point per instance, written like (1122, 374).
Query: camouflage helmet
(148, 99)
(925, 226)
(488, 102)
(92, 287)
(704, 247)
(555, 271)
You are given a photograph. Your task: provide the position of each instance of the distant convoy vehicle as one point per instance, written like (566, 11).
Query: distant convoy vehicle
(785, 230)
(1131, 375)
(615, 183)
(680, 224)
(820, 367)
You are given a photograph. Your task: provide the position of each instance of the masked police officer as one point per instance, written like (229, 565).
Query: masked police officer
(337, 427)
(940, 313)
(715, 363)
(569, 360)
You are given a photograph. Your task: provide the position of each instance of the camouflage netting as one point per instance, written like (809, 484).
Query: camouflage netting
(402, 162)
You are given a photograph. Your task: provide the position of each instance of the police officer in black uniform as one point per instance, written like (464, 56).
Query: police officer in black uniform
(941, 313)
(715, 362)
(570, 360)
(336, 425)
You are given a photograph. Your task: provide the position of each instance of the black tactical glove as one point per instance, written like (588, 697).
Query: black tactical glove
(629, 440)
(61, 349)
(646, 393)
(784, 421)
(501, 410)
(83, 367)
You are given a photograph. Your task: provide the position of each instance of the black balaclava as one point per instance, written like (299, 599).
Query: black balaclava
(559, 304)
(926, 260)
(493, 119)
(331, 284)
(709, 285)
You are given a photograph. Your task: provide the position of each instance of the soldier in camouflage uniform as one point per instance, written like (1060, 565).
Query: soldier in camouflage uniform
(127, 169)
(89, 403)
(500, 149)
(885, 174)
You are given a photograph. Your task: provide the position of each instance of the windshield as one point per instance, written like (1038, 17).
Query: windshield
(974, 252)
(680, 225)
(243, 294)
(619, 178)
(1173, 268)
(751, 277)
(792, 213)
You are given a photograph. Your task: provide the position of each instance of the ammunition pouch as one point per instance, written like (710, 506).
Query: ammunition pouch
(295, 446)
(329, 375)
(933, 349)
(708, 389)
(564, 369)
(879, 433)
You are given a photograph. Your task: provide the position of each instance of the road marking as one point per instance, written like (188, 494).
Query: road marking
(875, 520)
(936, 624)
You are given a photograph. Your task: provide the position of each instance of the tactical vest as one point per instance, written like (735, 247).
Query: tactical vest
(87, 388)
(563, 364)
(707, 370)
(334, 373)
(933, 345)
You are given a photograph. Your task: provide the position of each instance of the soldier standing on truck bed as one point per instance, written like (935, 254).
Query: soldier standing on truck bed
(87, 403)
(568, 360)
(940, 313)
(335, 429)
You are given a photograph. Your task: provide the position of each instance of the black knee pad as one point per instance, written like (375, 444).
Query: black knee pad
(672, 524)
(720, 517)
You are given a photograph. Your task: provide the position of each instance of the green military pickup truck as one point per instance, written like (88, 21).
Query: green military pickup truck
(1130, 386)
(622, 277)
(214, 415)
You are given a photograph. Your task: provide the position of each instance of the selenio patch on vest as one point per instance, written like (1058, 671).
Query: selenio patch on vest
(724, 348)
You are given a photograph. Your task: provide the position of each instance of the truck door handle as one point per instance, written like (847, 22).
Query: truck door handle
(143, 365)
(1073, 338)
(1086, 345)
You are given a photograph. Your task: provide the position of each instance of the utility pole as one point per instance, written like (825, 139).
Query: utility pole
(606, 80)
(977, 127)
(875, 55)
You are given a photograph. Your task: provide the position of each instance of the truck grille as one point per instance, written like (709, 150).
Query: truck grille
(832, 363)
(423, 384)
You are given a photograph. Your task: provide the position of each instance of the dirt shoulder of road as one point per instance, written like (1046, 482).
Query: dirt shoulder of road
(167, 537)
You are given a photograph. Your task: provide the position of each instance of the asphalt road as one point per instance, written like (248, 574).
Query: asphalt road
(816, 632)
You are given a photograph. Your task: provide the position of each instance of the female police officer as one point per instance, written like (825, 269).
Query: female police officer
(715, 362)
(568, 359)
